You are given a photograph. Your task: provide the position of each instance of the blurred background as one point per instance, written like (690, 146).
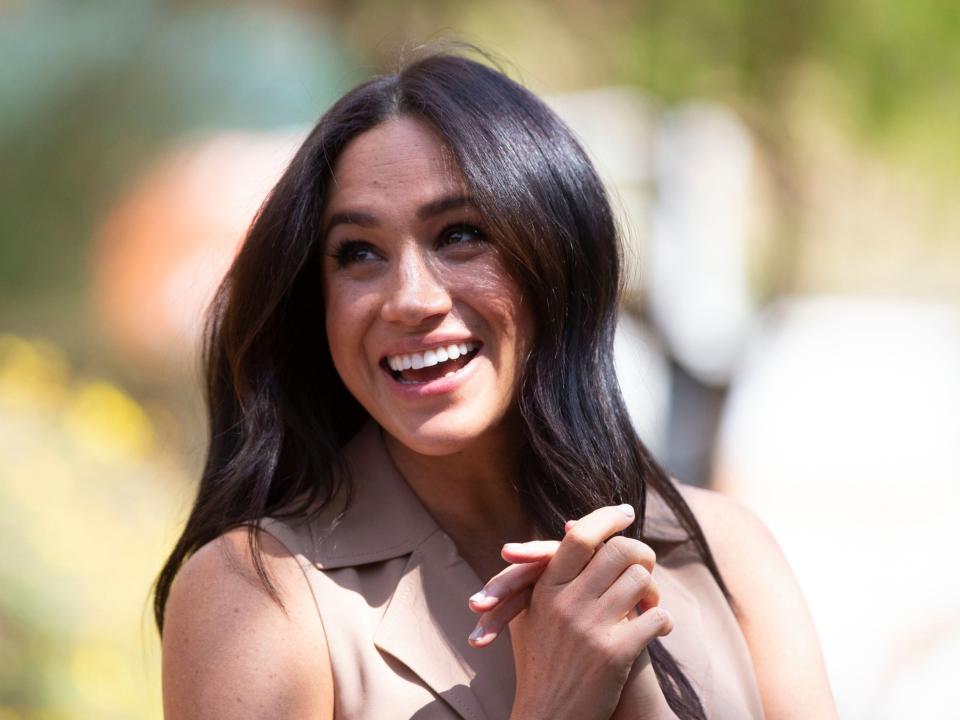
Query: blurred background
(785, 174)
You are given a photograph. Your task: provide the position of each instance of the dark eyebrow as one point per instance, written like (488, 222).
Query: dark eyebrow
(350, 217)
(368, 219)
(436, 207)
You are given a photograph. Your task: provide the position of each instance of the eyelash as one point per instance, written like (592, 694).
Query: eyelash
(478, 234)
(348, 251)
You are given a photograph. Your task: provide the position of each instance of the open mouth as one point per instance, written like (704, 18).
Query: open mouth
(429, 365)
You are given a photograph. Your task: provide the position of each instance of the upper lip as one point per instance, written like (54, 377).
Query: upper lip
(408, 347)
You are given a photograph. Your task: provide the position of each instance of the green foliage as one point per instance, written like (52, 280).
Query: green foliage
(91, 92)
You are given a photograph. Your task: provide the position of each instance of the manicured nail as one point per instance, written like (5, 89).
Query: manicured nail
(478, 632)
(478, 596)
(627, 510)
(512, 547)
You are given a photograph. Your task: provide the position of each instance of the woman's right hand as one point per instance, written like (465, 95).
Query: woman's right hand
(577, 640)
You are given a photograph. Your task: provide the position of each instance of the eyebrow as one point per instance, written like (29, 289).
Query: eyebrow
(367, 219)
(437, 207)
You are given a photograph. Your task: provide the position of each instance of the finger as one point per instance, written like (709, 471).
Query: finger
(610, 562)
(634, 587)
(532, 550)
(642, 607)
(529, 551)
(641, 631)
(582, 540)
(490, 624)
(504, 584)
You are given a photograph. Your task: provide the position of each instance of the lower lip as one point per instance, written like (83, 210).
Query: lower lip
(440, 386)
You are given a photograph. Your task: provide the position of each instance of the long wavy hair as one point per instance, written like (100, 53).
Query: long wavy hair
(278, 411)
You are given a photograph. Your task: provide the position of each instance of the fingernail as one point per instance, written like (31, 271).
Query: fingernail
(478, 596)
(512, 547)
(627, 510)
(478, 632)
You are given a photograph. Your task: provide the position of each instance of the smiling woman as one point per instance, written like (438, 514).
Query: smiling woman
(453, 424)
(409, 274)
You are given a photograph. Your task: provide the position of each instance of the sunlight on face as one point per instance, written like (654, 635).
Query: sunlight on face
(426, 327)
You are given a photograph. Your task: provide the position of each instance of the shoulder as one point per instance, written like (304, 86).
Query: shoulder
(231, 650)
(730, 527)
(769, 606)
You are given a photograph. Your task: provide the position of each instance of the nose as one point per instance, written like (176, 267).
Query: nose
(416, 291)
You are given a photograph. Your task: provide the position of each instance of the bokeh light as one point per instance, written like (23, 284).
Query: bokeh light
(785, 175)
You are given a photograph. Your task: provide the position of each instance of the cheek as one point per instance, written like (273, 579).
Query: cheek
(335, 324)
(489, 284)
(522, 324)
(511, 317)
(344, 326)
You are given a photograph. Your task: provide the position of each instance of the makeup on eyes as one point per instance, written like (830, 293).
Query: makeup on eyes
(348, 251)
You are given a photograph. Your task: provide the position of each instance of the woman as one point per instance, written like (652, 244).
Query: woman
(409, 365)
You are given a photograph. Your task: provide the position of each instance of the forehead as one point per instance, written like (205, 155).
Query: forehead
(401, 160)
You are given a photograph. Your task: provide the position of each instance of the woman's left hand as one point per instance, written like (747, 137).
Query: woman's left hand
(507, 594)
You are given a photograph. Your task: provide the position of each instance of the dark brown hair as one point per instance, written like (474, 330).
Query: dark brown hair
(278, 411)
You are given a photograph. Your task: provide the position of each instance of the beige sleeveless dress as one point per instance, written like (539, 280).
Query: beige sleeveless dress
(392, 593)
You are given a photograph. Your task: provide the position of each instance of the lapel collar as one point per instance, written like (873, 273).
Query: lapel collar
(426, 622)
(384, 518)
(426, 625)
(382, 499)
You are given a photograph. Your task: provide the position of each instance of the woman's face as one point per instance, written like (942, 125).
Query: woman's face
(426, 328)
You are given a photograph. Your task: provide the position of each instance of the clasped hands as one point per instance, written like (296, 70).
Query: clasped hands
(581, 611)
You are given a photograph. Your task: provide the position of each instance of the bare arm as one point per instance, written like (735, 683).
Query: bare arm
(230, 651)
(772, 612)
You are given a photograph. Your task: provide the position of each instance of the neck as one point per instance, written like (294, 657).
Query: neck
(471, 495)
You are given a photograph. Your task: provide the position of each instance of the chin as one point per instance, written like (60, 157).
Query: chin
(442, 434)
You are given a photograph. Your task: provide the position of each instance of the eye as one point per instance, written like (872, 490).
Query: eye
(460, 234)
(354, 251)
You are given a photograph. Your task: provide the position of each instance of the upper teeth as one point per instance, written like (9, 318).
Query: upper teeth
(429, 358)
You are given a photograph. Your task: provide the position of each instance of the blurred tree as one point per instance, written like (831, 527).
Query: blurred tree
(89, 92)
(899, 61)
(92, 92)
(884, 74)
